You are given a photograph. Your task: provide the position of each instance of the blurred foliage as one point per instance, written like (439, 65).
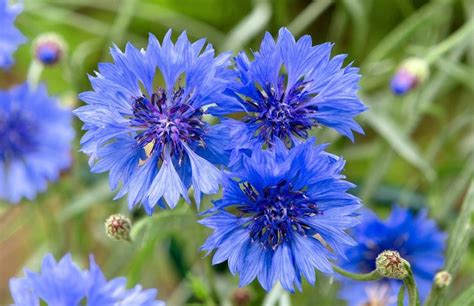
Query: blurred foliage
(418, 149)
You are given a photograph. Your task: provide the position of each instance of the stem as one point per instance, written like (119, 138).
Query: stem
(409, 283)
(371, 276)
(274, 295)
(460, 35)
(401, 295)
(34, 73)
(123, 19)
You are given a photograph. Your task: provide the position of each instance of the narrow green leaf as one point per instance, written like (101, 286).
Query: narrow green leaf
(466, 298)
(308, 16)
(99, 193)
(399, 142)
(249, 27)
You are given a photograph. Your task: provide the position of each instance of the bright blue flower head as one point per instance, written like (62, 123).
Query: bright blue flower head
(10, 37)
(35, 141)
(278, 213)
(415, 237)
(289, 88)
(153, 138)
(64, 283)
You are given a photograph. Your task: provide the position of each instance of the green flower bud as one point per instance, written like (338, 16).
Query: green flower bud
(442, 279)
(118, 227)
(391, 265)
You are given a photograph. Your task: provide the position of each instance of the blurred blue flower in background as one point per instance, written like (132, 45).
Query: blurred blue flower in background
(10, 37)
(153, 140)
(35, 141)
(275, 221)
(64, 283)
(290, 87)
(415, 237)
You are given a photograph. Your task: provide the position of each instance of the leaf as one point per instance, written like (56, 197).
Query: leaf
(466, 298)
(249, 27)
(80, 204)
(399, 142)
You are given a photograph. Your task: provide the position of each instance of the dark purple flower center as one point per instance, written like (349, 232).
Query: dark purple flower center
(280, 115)
(167, 123)
(17, 132)
(277, 213)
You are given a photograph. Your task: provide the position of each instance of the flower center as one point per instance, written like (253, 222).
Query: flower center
(16, 134)
(278, 212)
(282, 115)
(167, 125)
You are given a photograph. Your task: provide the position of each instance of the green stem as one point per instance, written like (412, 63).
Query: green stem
(410, 284)
(372, 276)
(123, 19)
(401, 296)
(274, 295)
(452, 41)
(34, 73)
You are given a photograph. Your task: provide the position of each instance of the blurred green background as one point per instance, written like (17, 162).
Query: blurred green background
(418, 149)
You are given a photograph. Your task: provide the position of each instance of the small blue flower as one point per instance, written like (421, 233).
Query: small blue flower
(279, 212)
(415, 237)
(64, 283)
(289, 88)
(154, 140)
(35, 141)
(10, 37)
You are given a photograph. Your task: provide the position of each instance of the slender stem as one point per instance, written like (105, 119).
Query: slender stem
(123, 19)
(401, 295)
(409, 283)
(459, 36)
(34, 73)
(274, 295)
(371, 276)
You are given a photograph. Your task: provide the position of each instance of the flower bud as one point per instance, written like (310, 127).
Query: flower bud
(49, 49)
(118, 227)
(390, 264)
(442, 279)
(241, 297)
(411, 72)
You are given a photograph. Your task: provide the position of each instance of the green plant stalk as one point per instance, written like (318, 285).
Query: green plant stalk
(410, 284)
(401, 296)
(457, 245)
(371, 276)
(123, 19)
(452, 41)
(34, 73)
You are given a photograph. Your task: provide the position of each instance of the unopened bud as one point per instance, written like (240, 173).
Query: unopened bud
(442, 279)
(49, 49)
(390, 264)
(118, 227)
(410, 73)
(241, 297)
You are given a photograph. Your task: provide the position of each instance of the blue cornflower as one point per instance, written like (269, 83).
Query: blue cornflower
(10, 37)
(154, 140)
(279, 213)
(64, 283)
(415, 237)
(289, 88)
(35, 141)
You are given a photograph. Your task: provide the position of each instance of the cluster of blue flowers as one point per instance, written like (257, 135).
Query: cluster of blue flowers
(241, 123)
(64, 283)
